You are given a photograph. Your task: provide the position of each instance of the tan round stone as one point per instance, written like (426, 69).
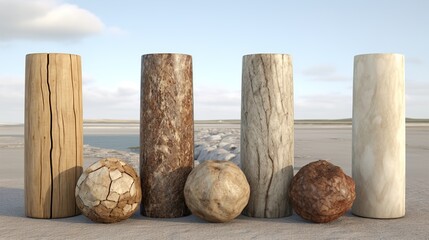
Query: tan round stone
(216, 191)
(321, 192)
(108, 191)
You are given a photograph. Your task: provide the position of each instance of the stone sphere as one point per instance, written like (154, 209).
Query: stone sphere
(321, 192)
(216, 191)
(108, 191)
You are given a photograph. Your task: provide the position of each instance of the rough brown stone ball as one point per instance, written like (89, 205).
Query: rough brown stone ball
(108, 191)
(321, 192)
(216, 191)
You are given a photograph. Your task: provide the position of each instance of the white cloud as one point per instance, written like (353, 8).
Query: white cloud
(116, 31)
(46, 20)
(324, 73)
(216, 103)
(323, 106)
(417, 98)
(413, 60)
(337, 105)
(417, 88)
(122, 101)
(223, 103)
(11, 99)
(113, 102)
(319, 70)
(99, 102)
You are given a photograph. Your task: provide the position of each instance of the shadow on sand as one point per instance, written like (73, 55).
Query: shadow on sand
(12, 202)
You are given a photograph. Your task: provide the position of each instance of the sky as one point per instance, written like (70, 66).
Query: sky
(111, 36)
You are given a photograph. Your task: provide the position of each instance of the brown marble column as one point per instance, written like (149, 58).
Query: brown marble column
(166, 133)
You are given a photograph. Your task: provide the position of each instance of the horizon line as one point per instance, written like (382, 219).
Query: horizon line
(309, 120)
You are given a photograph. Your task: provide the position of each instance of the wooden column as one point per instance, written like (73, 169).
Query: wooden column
(379, 135)
(267, 133)
(166, 133)
(53, 134)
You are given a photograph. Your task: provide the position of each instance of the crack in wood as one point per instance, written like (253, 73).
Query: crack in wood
(51, 137)
(76, 172)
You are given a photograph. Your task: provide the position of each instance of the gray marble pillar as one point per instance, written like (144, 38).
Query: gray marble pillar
(267, 133)
(379, 135)
(166, 133)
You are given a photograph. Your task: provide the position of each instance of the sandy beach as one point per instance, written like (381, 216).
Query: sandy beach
(312, 142)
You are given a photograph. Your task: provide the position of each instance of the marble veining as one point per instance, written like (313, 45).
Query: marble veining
(379, 135)
(166, 133)
(267, 133)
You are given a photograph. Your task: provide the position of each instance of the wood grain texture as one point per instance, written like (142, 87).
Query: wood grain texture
(379, 135)
(53, 134)
(166, 133)
(267, 133)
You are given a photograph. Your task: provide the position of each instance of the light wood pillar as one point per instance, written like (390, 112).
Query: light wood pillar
(53, 134)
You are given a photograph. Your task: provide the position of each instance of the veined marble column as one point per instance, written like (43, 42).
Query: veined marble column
(166, 133)
(379, 135)
(267, 133)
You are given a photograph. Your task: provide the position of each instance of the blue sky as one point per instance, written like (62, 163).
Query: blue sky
(322, 36)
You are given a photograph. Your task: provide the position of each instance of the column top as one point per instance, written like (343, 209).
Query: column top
(267, 54)
(177, 54)
(378, 54)
(30, 54)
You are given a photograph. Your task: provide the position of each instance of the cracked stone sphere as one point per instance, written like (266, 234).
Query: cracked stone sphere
(216, 191)
(320, 192)
(108, 191)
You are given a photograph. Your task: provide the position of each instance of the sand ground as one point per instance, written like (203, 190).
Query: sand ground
(312, 142)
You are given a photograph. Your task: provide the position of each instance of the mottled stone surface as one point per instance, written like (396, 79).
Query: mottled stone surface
(267, 133)
(108, 191)
(217, 191)
(166, 133)
(321, 192)
(379, 135)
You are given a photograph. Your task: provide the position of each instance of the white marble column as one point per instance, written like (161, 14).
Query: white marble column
(267, 133)
(379, 135)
